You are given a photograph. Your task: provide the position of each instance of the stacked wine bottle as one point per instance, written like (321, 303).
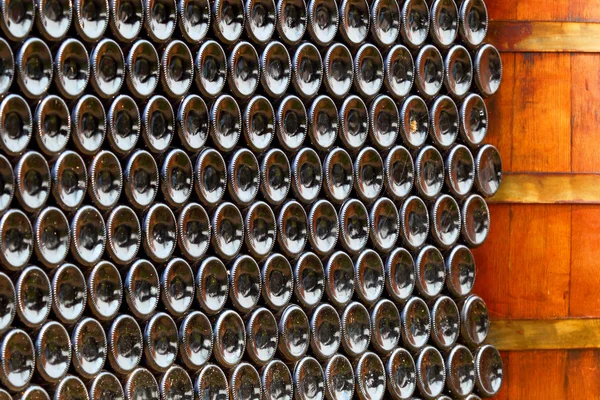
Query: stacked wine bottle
(260, 200)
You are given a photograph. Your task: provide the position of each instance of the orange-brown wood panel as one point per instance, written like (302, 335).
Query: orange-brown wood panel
(585, 276)
(539, 261)
(500, 111)
(492, 258)
(583, 374)
(538, 375)
(542, 10)
(541, 125)
(584, 10)
(585, 84)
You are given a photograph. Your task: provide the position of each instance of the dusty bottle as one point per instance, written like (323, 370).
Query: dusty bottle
(292, 123)
(124, 125)
(444, 23)
(323, 21)
(245, 283)
(309, 278)
(8, 299)
(158, 124)
(473, 18)
(460, 171)
(18, 125)
(354, 123)
(90, 348)
(323, 227)
(211, 68)
(91, 19)
(338, 70)
(354, 21)
(228, 230)
(475, 221)
(309, 379)
(54, 19)
(429, 67)
(52, 236)
(416, 324)
(431, 372)
(368, 67)
(106, 180)
(244, 70)
(275, 179)
(399, 71)
(276, 69)
(160, 19)
(141, 289)
(108, 68)
(34, 68)
(276, 380)
(143, 381)
(488, 170)
(125, 344)
(370, 377)
(89, 124)
(230, 339)
(106, 385)
(211, 381)
(18, 356)
(399, 275)
(143, 69)
(176, 383)
(161, 343)
(307, 69)
(294, 333)
(262, 335)
(69, 293)
(105, 290)
(445, 221)
(212, 285)
(17, 24)
(326, 337)
(415, 23)
(414, 122)
(292, 225)
(53, 351)
(401, 374)
(356, 329)
(259, 124)
(72, 68)
(194, 19)
(291, 20)
(126, 19)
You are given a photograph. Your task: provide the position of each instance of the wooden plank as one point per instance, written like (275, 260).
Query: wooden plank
(585, 81)
(548, 188)
(545, 36)
(538, 375)
(585, 279)
(541, 123)
(583, 374)
(545, 334)
(539, 261)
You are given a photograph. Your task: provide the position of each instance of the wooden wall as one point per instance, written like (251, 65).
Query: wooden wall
(542, 259)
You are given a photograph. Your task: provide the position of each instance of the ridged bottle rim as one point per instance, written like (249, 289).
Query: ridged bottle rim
(422, 272)
(420, 159)
(55, 34)
(176, 159)
(158, 103)
(377, 106)
(422, 385)
(283, 346)
(390, 274)
(299, 374)
(192, 321)
(243, 196)
(256, 320)
(344, 22)
(269, 156)
(439, 83)
(303, 157)
(216, 13)
(6, 356)
(248, 122)
(466, 307)
(112, 224)
(79, 18)
(99, 382)
(332, 369)
(377, 242)
(59, 106)
(214, 133)
(312, 237)
(296, 65)
(95, 58)
(452, 184)
(217, 215)
(454, 386)
(164, 360)
(479, 160)
(377, 340)
(179, 380)
(99, 162)
(309, 260)
(405, 229)
(232, 61)
(200, 281)
(270, 11)
(376, 29)
(369, 258)
(407, 334)
(435, 8)
(355, 207)
(218, 326)
(312, 21)
(77, 342)
(373, 190)
(56, 293)
(51, 372)
(113, 347)
(112, 120)
(358, 57)
(8, 292)
(438, 106)
(130, 383)
(148, 51)
(327, 63)
(391, 371)
(251, 241)
(190, 32)
(39, 229)
(438, 234)
(470, 241)
(481, 387)
(435, 327)
(388, 63)
(198, 61)
(284, 140)
(114, 12)
(447, 70)
(349, 316)
(478, 73)
(241, 304)
(282, 237)
(263, 66)
(406, 23)
(464, 32)
(281, 5)
(277, 301)
(362, 379)
(147, 229)
(164, 34)
(9, 31)
(318, 312)
(91, 284)
(77, 114)
(180, 271)
(60, 73)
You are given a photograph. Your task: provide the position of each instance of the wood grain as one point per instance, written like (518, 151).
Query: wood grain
(541, 123)
(583, 374)
(545, 334)
(548, 188)
(545, 36)
(585, 112)
(539, 375)
(585, 277)
(538, 261)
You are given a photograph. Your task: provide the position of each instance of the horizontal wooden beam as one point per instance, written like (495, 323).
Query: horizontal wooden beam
(549, 188)
(543, 37)
(559, 334)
